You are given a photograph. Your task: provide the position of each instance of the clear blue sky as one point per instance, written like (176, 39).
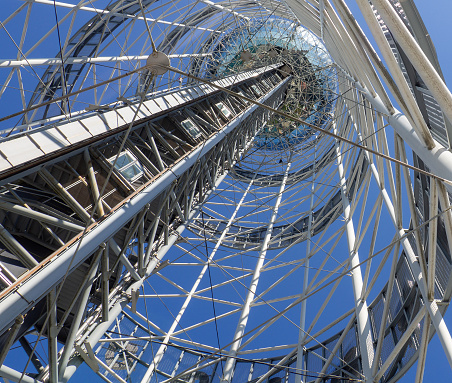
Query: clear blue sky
(437, 16)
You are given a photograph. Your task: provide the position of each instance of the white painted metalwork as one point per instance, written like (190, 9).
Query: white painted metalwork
(199, 218)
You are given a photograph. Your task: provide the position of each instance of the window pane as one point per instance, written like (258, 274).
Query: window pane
(223, 109)
(191, 128)
(122, 161)
(132, 172)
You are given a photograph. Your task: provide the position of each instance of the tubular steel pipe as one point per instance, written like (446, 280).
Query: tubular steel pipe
(417, 56)
(244, 315)
(437, 159)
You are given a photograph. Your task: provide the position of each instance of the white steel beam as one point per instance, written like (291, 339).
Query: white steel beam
(322, 18)
(416, 56)
(52, 336)
(362, 313)
(437, 159)
(13, 245)
(158, 356)
(432, 238)
(414, 113)
(100, 11)
(15, 376)
(302, 332)
(244, 315)
(423, 350)
(420, 277)
(85, 60)
(11, 338)
(41, 217)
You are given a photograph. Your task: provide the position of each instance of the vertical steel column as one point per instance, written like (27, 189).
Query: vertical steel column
(301, 333)
(437, 159)
(93, 182)
(162, 348)
(414, 113)
(362, 314)
(52, 336)
(432, 307)
(104, 262)
(416, 56)
(244, 315)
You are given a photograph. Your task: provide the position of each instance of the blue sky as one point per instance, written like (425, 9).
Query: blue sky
(437, 17)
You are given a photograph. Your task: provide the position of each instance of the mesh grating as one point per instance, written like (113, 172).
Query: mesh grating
(410, 350)
(188, 360)
(314, 363)
(395, 303)
(336, 361)
(169, 360)
(399, 327)
(443, 269)
(241, 372)
(292, 373)
(405, 278)
(388, 346)
(349, 346)
(376, 313)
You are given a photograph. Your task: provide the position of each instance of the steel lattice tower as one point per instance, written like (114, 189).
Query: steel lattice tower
(199, 191)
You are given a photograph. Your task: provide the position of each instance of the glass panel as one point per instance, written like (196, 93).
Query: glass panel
(132, 172)
(123, 160)
(128, 166)
(191, 128)
(225, 111)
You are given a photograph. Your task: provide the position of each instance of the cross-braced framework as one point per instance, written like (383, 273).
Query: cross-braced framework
(222, 192)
